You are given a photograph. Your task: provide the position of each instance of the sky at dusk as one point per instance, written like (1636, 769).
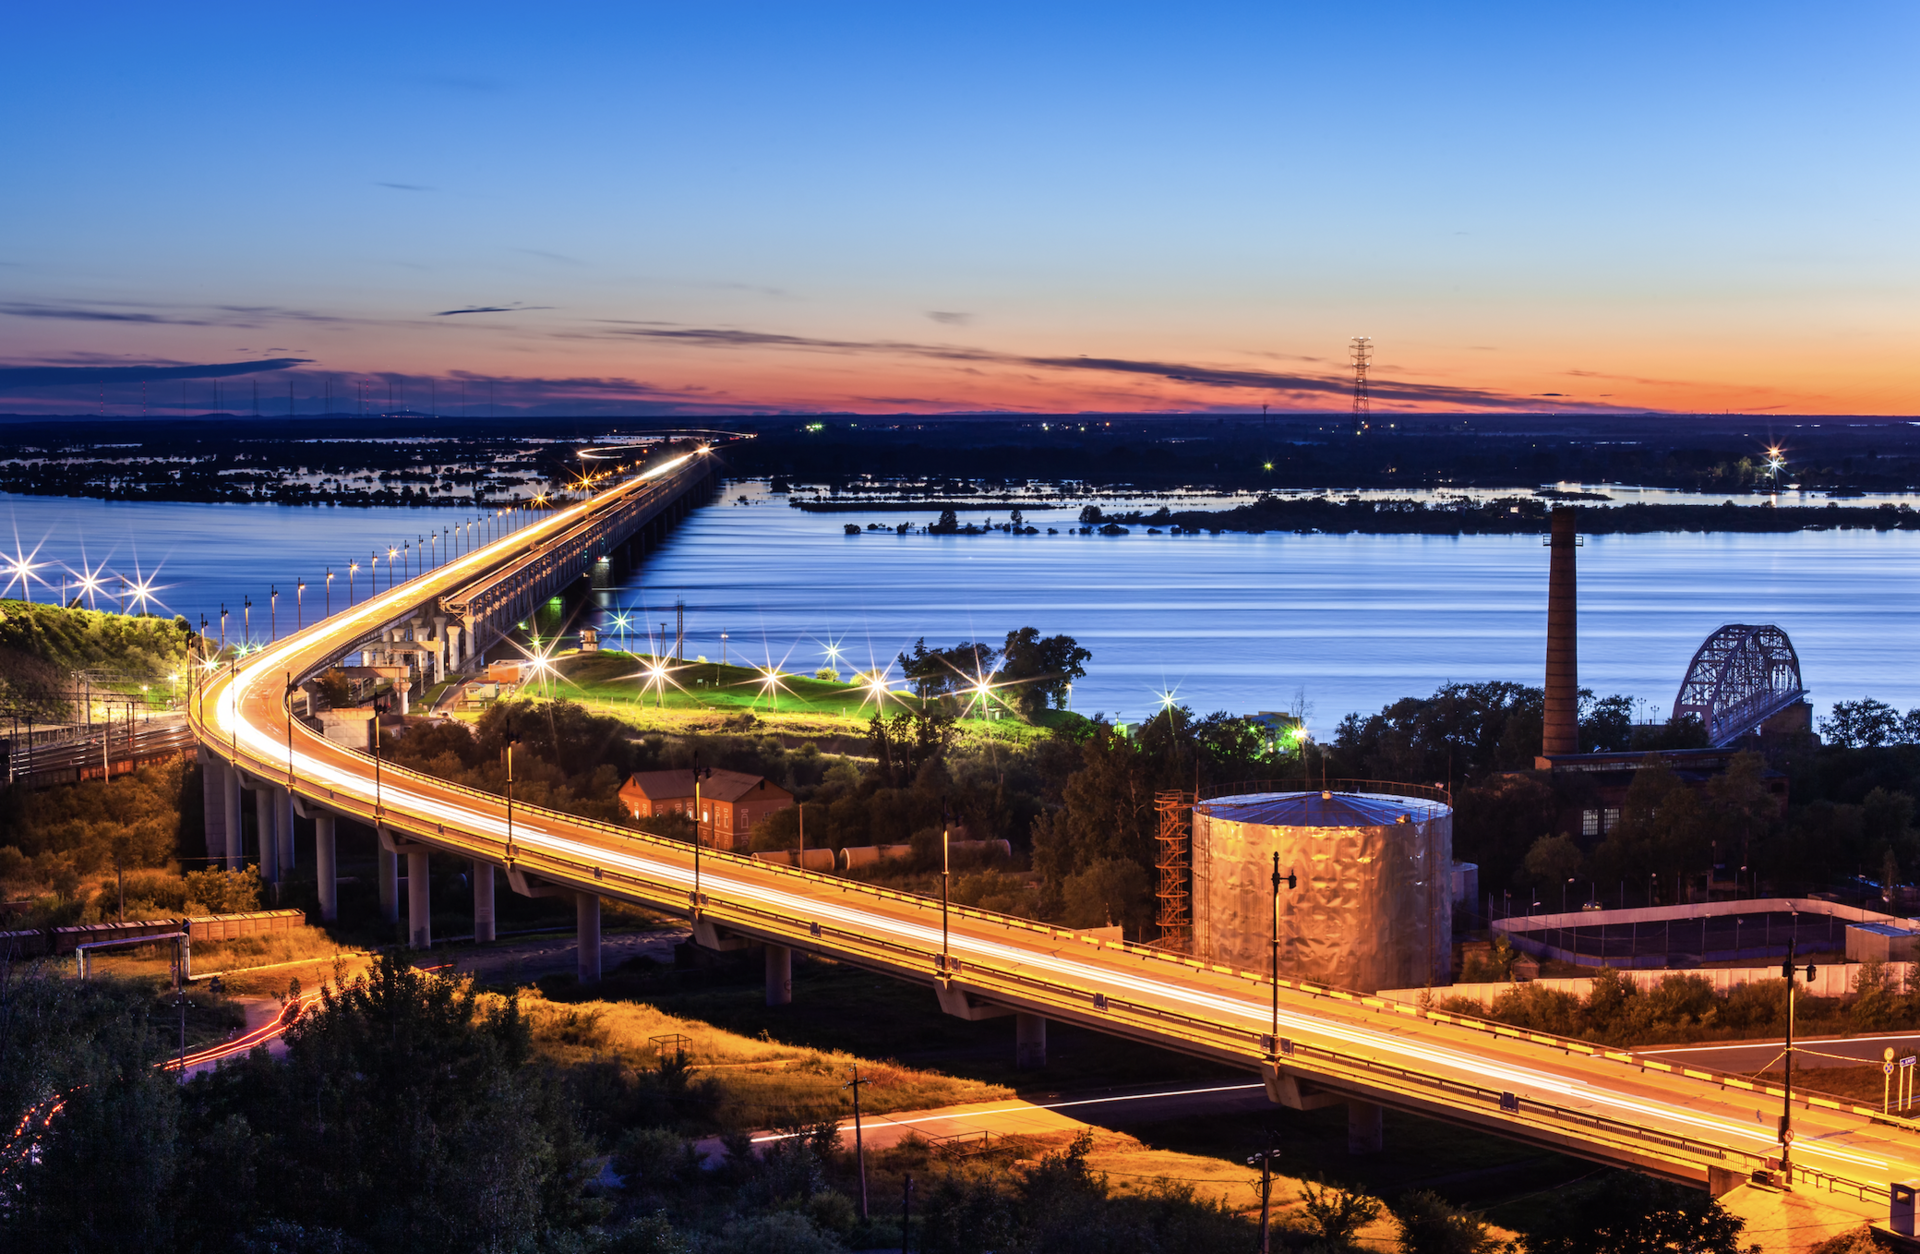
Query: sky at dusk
(697, 209)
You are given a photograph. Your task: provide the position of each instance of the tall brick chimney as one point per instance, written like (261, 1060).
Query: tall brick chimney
(1561, 729)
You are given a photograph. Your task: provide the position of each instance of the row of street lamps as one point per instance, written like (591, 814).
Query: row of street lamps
(427, 549)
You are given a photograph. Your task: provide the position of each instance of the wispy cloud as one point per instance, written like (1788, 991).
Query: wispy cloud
(404, 187)
(1297, 387)
(55, 376)
(479, 309)
(77, 313)
(949, 319)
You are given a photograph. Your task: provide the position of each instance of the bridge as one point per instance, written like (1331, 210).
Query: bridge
(1314, 1046)
(1740, 678)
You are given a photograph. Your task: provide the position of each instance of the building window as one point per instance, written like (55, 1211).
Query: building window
(1609, 819)
(1589, 822)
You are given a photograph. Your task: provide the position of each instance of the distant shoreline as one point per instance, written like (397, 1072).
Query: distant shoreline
(1505, 516)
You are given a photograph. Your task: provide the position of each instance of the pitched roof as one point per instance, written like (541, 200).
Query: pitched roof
(720, 786)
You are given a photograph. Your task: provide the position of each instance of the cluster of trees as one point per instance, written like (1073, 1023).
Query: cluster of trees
(1032, 671)
(1869, 724)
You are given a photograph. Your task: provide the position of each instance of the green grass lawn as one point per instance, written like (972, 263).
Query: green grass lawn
(707, 696)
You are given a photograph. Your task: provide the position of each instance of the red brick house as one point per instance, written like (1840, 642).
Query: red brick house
(731, 802)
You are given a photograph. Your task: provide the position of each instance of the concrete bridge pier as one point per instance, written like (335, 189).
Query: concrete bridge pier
(1366, 1128)
(1029, 1041)
(419, 906)
(326, 865)
(387, 872)
(483, 925)
(236, 834)
(263, 813)
(779, 975)
(283, 831)
(586, 913)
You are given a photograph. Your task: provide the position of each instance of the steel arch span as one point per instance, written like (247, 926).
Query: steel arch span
(1743, 675)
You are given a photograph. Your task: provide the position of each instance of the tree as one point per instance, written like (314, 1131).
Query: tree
(1041, 668)
(1431, 1225)
(1111, 890)
(1661, 829)
(1552, 861)
(1863, 724)
(1336, 1214)
(1635, 1214)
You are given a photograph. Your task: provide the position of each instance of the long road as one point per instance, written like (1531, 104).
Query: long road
(1330, 1047)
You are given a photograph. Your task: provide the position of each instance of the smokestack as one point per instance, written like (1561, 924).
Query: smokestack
(1561, 730)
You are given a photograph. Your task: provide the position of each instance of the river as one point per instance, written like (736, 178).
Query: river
(1230, 622)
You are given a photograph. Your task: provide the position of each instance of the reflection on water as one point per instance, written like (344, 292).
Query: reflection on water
(1233, 622)
(1240, 622)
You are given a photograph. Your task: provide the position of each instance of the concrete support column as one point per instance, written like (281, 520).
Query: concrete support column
(213, 778)
(326, 866)
(586, 911)
(283, 831)
(263, 812)
(402, 689)
(779, 975)
(236, 833)
(419, 924)
(482, 901)
(388, 873)
(1029, 1041)
(1366, 1128)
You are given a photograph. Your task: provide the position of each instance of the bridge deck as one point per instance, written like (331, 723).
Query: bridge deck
(1606, 1105)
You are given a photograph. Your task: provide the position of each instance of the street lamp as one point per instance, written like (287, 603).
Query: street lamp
(699, 773)
(946, 874)
(353, 568)
(246, 621)
(223, 626)
(273, 612)
(1789, 970)
(391, 554)
(723, 648)
(1292, 882)
(299, 605)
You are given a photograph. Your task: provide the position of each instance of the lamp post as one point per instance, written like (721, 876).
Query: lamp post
(223, 626)
(699, 773)
(510, 745)
(273, 612)
(946, 874)
(353, 568)
(246, 621)
(299, 605)
(1789, 970)
(1292, 882)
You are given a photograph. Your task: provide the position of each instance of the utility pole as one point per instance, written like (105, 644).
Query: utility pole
(1264, 1159)
(859, 1146)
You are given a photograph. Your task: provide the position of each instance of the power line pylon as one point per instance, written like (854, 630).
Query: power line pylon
(1362, 352)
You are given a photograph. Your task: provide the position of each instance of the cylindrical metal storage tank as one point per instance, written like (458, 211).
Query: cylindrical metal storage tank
(1372, 909)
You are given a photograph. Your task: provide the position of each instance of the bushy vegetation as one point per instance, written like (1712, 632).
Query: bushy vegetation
(42, 647)
(1683, 1007)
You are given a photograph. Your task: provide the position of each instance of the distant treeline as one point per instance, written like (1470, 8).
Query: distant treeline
(1505, 516)
(1523, 515)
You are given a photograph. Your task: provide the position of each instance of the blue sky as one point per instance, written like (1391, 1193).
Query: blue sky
(706, 208)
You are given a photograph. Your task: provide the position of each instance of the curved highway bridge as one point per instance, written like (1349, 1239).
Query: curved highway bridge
(1330, 1047)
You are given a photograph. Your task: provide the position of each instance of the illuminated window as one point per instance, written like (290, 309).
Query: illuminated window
(1589, 822)
(1609, 819)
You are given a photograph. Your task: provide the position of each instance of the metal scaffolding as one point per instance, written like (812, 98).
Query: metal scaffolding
(1175, 863)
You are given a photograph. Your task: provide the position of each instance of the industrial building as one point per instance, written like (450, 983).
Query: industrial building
(1373, 906)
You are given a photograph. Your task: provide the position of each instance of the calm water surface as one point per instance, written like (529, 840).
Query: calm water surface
(1232, 622)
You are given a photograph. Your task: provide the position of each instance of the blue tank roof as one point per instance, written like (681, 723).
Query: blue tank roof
(1318, 809)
